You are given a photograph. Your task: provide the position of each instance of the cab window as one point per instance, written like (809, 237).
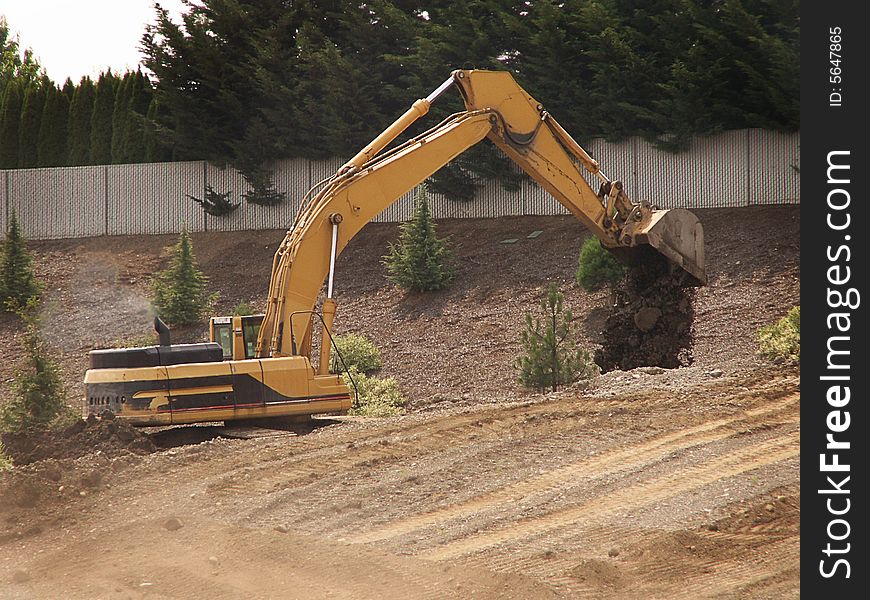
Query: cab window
(250, 331)
(223, 335)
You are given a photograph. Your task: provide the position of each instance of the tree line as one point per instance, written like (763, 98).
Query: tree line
(42, 124)
(246, 83)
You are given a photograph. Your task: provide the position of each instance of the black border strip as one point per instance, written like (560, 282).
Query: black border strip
(834, 106)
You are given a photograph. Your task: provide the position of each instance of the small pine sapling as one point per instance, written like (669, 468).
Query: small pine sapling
(180, 293)
(420, 261)
(551, 357)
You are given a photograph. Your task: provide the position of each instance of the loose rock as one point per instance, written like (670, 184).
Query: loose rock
(651, 323)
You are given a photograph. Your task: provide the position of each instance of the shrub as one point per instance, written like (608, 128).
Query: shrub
(782, 340)
(179, 292)
(38, 398)
(243, 309)
(17, 282)
(375, 397)
(214, 203)
(597, 266)
(357, 352)
(419, 262)
(551, 357)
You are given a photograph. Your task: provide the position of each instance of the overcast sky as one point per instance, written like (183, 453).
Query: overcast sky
(72, 38)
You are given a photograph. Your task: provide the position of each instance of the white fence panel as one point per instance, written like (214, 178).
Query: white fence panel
(223, 180)
(152, 198)
(62, 202)
(617, 162)
(663, 178)
(722, 172)
(734, 168)
(774, 167)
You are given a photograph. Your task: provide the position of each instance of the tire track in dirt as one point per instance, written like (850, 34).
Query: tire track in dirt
(597, 466)
(629, 498)
(391, 441)
(418, 439)
(714, 578)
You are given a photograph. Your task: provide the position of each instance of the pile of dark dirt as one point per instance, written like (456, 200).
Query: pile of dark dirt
(110, 436)
(651, 322)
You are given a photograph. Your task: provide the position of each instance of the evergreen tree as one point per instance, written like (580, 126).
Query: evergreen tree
(44, 132)
(28, 133)
(18, 285)
(79, 130)
(52, 150)
(247, 84)
(419, 262)
(180, 292)
(214, 203)
(10, 120)
(121, 118)
(69, 88)
(137, 109)
(38, 390)
(101, 120)
(154, 134)
(597, 266)
(551, 357)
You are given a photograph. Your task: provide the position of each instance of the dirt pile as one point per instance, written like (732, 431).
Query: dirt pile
(651, 323)
(107, 435)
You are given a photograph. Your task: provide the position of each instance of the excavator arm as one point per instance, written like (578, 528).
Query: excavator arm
(497, 108)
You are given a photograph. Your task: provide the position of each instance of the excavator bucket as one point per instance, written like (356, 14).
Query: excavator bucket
(678, 235)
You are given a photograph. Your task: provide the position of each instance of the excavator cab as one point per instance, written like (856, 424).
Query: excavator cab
(237, 335)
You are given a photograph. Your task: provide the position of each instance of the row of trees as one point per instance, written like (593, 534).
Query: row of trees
(109, 121)
(245, 83)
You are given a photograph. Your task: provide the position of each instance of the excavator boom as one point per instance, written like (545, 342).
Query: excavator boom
(496, 108)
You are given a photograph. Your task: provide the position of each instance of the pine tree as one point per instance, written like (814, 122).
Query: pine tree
(79, 130)
(28, 133)
(419, 262)
(101, 120)
(10, 120)
(18, 285)
(180, 292)
(551, 357)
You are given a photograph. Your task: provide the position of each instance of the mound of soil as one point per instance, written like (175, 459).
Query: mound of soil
(651, 323)
(110, 436)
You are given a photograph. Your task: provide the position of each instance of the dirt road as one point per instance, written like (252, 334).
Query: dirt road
(688, 489)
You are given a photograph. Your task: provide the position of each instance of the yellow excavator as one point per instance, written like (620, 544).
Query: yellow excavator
(261, 365)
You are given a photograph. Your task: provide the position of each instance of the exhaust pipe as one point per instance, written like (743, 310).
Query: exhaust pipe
(162, 331)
